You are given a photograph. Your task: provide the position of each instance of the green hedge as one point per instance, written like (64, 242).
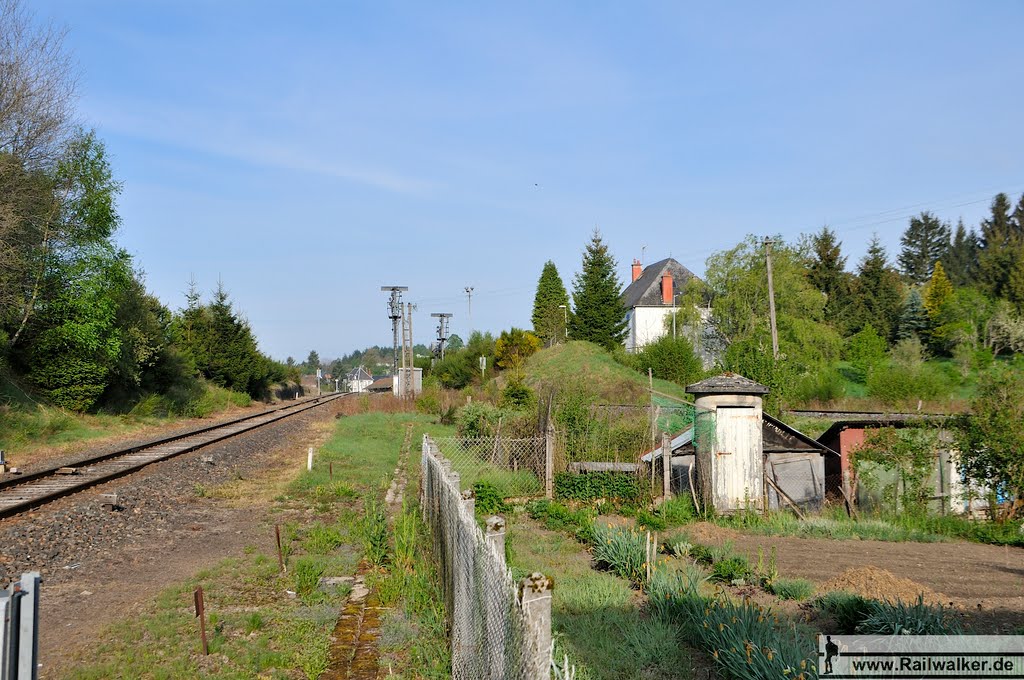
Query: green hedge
(594, 485)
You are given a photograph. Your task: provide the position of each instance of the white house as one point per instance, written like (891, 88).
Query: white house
(650, 299)
(358, 379)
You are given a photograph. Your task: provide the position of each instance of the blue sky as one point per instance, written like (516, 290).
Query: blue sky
(308, 153)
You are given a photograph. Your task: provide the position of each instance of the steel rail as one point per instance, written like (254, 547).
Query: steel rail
(20, 493)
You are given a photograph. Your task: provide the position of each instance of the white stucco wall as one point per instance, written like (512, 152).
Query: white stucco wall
(646, 324)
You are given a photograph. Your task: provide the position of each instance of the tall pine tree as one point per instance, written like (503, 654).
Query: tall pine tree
(925, 242)
(549, 318)
(961, 259)
(598, 314)
(1001, 240)
(826, 271)
(878, 292)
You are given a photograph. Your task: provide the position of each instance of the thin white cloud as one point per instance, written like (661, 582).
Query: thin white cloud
(214, 133)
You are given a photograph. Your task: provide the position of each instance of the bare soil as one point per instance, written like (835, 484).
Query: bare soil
(985, 582)
(98, 569)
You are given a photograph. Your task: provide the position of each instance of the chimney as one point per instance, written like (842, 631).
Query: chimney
(637, 269)
(666, 289)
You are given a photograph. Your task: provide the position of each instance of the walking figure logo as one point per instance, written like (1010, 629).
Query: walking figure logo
(831, 650)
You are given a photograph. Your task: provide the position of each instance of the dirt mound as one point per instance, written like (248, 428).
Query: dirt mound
(880, 584)
(705, 532)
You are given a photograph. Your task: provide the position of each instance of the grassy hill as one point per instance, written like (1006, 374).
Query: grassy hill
(587, 368)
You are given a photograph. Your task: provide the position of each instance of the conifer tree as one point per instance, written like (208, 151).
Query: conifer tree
(913, 318)
(826, 271)
(548, 316)
(961, 259)
(925, 241)
(1001, 240)
(937, 293)
(598, 314)
(879, 297)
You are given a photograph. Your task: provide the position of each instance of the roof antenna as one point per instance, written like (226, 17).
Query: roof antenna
(643, 255)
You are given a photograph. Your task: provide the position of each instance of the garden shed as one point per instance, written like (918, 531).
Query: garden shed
(750, 458)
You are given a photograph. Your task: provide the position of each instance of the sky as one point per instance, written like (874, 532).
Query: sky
(307, 153)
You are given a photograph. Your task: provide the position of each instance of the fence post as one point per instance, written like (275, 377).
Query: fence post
(666, 466)
(495, 535)
(549, 461)
(28, 634)
(494, 651)
(463, 605)
(5, 616)
(535, 596)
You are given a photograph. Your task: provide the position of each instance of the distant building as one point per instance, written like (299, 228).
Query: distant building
(650, 300)
(358, 380)
(380, 385)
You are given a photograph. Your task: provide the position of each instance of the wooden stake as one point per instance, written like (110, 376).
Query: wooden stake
(197, 597)
(280, 554)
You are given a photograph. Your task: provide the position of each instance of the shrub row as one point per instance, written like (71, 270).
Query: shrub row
(591, 486)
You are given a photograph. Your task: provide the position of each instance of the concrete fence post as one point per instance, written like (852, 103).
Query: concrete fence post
(495, 618)
(549, 461)
(463, 647)
(666, 466)
(5, 633)
(535, 596)
(28, 634)
(495, 535)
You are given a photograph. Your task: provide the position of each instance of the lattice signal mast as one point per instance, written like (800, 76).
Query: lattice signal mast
(442, 331)
(395, 314)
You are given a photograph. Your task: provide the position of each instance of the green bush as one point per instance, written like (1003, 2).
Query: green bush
(488, 500)
(650, 521)
(592, 486)
(477, 419)
(518, 395)
(733, 568)
(791, 588)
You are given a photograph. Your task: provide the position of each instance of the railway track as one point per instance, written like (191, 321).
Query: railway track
(21, 493)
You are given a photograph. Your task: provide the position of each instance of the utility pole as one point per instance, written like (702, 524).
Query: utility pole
(394, 313)
(469, 305)
(442, 331)
(768, 243)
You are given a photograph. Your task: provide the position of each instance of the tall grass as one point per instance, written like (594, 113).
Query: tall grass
(834, 524)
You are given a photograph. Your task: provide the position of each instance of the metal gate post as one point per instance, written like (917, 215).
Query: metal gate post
(28, 634)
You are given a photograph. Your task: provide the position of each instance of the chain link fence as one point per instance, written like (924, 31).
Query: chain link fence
(516, 468)
(499, 629)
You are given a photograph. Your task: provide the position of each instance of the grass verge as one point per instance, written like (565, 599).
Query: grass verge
(598, 619)
(256, 627)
